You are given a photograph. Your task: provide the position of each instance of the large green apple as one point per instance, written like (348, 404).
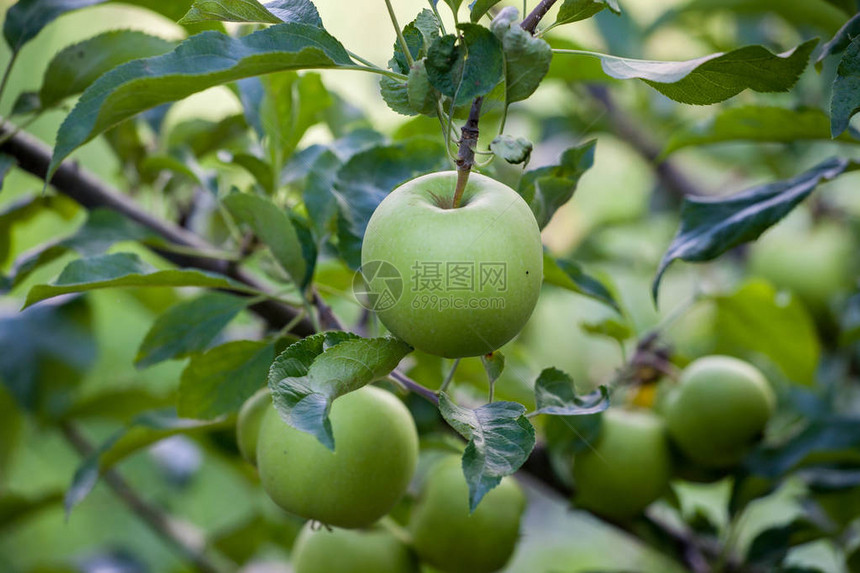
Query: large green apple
(448, 537)
(469, 277)
(351, 551)
(248, 424)
(376, 452)
(628, 466)
(720, 407)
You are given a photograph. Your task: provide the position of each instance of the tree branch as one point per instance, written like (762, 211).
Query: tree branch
(183, 537)
(82, 186)
(531, 21)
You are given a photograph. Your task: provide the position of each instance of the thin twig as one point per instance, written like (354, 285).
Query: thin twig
(414, 386)
(531, 21)
(184, 537)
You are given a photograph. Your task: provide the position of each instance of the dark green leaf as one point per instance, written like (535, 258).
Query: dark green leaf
(273, 227)
(14, 508)
(301, 11)
(74, 68)
(221, 380)
(257, 167)
(710, 226)
(751, 321)
(569, 275)
(125, 270)
(25, 103)
(480, 7)
(145, 430)
(845, 101)
(7, 162)
(26, 18)
(500, 440)
(200, 62)
(512, 149)
(188, 327)
(548, 188)
(717, 77)
(465, 69)
(527, 58)
(770, 547)
(369, 176)
(309, 375)
(420, 93)
(841, 40)
(757, 123)
(576, 10)
(851, 322)
(494, 364)
(555, 395)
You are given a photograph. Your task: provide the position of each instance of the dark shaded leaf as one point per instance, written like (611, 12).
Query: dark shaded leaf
(480, 7)
(841, 40)
(500, 440)
(770, 547)
(7, 162)
(494, 364)
(845, 101)
(26, 18)
(569, 275)
(850, 333)
(555, 395)
(15, 508)
(710, 226)
(465, 69)
(527, 58)
(188, 327)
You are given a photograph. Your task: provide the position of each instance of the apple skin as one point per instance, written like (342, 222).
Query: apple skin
(719, 408)
(372, 550)
(248, 424)
(628, 467)
(493, 225)
(451, 540)
(376, 452)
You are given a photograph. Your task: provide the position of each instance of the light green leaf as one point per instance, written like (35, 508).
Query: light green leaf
(500, 441)
(273, 227)
(480, 7)
(188, 327)
(228, 11)
(555, 395)
(845, 101)
(125, 270)
(15, 508)
(76, 67)
(576, 10)
(200, 62)
(221, 380)
(494, 364)
(714, 78)
(527, 58)
(610, 328)
(512, 149)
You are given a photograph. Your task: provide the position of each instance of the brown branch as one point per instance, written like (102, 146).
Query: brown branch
(531, 21)
(184, 537)
(82, 186)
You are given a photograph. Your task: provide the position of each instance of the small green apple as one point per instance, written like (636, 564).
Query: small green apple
(469, 277)
(718, 410)
(627, 468)
(372, 550)
(248, 424)
(448, 537)
(376, 452)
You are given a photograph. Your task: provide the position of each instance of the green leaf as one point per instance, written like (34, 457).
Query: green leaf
(26, 18)
(468, 68)
(527, 58)
(118, 404)
(188, 327)
(228, 11)
(221, 380)
(494, 364)
(145, 430)
(845, 101)
(25, 208)
(770, 547)
(77, 66)
(569, 275)
(500, 441)
(7, 162)
(309, 375)
(200, 62)
(259, 168)
(576, 10)
(15, 508)
(710, 226)
(512, 149)
(714, 78)
(273, 227)
(757, 123)
(850, 333)
(546, 189)
(752, 321)
(369, 176)
(480, 7)
(301, 11)
(609, 327)
(555, 395)
(126, 270)
(419, 91)
(841, 40)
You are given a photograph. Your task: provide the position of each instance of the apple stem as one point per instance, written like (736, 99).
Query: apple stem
(466, 155)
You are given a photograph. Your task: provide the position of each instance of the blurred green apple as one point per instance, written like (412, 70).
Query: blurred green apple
(372, 550)
(627, 468)
(452, 540)
(718, 410)
(469, 277)
(248, 424)
(376, 452)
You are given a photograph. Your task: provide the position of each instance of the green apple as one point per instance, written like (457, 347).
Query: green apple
(627, 468)
(448, 537)
(351, 551)
(248, 424)
(816, 264)
(719, 408)
(470, 276)
(375, 455)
